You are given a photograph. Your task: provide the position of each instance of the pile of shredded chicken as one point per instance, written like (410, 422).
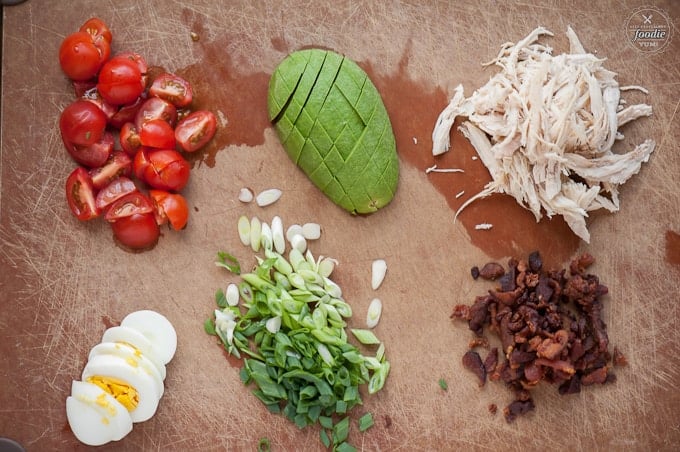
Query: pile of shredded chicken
(544, 127)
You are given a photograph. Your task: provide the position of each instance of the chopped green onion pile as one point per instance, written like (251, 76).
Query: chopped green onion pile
(291, 331)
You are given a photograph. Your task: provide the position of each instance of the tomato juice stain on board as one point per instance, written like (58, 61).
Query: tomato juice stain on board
(672, 247)
(413, 110)
(239, 101)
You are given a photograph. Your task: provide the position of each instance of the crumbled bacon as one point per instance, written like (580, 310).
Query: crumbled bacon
(473, 362)
(550, 327)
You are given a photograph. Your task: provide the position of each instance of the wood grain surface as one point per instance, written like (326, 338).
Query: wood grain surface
(63, 282)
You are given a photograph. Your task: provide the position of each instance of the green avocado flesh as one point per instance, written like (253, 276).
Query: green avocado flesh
(333, 125)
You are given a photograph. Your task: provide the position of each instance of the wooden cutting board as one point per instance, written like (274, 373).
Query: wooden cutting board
(63, 282)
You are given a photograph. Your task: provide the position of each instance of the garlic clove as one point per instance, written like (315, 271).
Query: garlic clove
(374, 312)
(378, 270)
(245, 195)
(244, 230)
(267, 197)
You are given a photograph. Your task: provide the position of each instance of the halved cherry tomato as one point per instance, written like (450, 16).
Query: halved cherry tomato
(80, 195)
(92, 95)
(157, 134)
(120, 81)
(82, 123)
(97, 28)
(141, 163)
(116, 189)
(132, 203)
(129, 139)
(118, 164)
(139, 61)
(172, 88)
(126, 113)
(196, 130)
(81, 57)
(137, 231)
(171, 207)
(95, 154)
(156, 108)
(167, 170)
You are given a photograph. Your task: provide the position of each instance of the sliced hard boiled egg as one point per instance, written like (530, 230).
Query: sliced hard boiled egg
(132, 356)
(136, 339)
(131, 386)
(96, 417)
(157, 329)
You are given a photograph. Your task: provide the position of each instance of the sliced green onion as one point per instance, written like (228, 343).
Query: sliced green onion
(264, 445)
(228, 261)
(366, 337)
(365, 422)
(244, 230)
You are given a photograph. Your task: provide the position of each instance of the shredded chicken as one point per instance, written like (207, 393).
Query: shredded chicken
(544, 127)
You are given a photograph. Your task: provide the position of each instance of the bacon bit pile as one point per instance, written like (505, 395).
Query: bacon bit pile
(544, 127)
(550, 327)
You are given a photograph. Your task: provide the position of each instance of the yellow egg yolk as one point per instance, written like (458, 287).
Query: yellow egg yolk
(121, 391)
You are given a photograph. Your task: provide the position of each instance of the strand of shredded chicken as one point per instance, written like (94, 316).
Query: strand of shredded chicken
(544, 127)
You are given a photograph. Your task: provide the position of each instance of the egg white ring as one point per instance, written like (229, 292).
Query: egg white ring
(133, 356)
(137, 340)
(94, 416)
(157, 328)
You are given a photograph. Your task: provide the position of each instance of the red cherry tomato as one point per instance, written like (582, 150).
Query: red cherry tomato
(196, 130)
(133, 203)
(172, 88)
(80, 195)
(96, 28)
(129, 139)
(126, 113)
(82, 123)
(167, 170)
(140, 163)
(118, 164)
(92, 95)
(116, 189)
(81, 57)
(157, 134)
(156, 108)
(171, 207)
(94, 155)
(137, 231)
(120, 81)
(139, 61)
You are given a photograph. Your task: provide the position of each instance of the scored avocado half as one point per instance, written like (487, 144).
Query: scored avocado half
(333, 124)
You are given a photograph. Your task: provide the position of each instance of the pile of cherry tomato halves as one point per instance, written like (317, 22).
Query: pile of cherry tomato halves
(127, 130)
